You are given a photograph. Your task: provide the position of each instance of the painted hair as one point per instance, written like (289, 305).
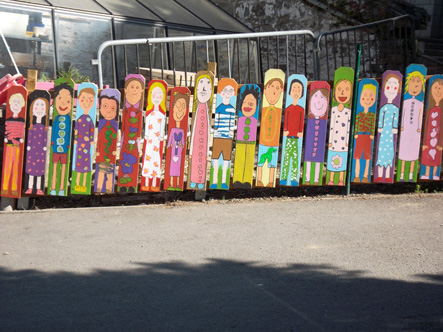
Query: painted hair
(62, 86)
(325, 93)
(90, 91)
(432, 101)
(296, 80)
(196, 102)
(20, 96)
(415, 74)
(162, 105)
(274, 80)
(33, 97)
(397, 98)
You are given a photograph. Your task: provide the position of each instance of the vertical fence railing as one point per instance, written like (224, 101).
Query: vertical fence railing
(386, 44)
(239, 56)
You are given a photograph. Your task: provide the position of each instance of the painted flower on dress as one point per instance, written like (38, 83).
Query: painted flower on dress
(336, 162)
(127, 163)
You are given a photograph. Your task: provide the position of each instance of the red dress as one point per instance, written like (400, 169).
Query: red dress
(433, 137)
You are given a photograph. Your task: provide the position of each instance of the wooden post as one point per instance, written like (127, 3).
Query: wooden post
(31, 83)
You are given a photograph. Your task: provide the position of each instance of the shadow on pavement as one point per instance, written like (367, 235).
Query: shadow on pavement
(220, 295)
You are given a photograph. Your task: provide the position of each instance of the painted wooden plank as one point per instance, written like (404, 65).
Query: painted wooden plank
(36, 147)
(387, 128)
(60, 151)
(154, 135)
(293, 129)
(132, 124)
(14, 146)
(107, 137)
(224, 124)
(248, 113)
(341, 110)
(84, 141)
(364, 130)
(270, 128)
(177, 139)
(201, 126)
(411, 123)
(317, 120)
(432, 144)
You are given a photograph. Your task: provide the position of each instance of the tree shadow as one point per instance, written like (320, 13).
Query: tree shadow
(219, 295)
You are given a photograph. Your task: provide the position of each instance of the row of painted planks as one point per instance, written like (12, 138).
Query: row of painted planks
(237, 113)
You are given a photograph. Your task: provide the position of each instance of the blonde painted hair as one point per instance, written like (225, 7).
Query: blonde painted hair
(415, 74)
(20, 96)
(370, 87)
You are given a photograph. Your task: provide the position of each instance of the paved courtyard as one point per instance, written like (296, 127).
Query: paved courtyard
(364, 263)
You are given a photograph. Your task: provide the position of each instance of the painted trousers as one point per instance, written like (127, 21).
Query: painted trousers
(11, 167)
(244, 161)
(290, 160)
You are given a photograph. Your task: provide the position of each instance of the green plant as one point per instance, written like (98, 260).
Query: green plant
(73, 74)
(44, 78)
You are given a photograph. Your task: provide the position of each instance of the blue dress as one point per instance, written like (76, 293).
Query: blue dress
(388, 120)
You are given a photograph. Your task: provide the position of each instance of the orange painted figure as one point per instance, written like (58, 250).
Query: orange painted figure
(14, 142)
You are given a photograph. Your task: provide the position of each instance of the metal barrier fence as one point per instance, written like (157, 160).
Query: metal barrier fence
(387, 44)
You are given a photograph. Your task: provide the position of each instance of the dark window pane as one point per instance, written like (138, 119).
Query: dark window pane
(129, 8)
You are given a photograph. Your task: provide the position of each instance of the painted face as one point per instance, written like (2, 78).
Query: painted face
(318, 104)
(39, 108)
(437, 92)
(415, 86)
(343, 92)
(179, 109)
(63, 102)
(367, 98)
(273, 92)
(86, 101)
(391, 88)
(108, 108)
(204, 90)
(157, 96)
(227, 93)
(296, 91)
(249, 105)
(15, 104)
(133, 92)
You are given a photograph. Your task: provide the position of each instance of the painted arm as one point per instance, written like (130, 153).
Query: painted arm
(301, 123)
(193, 131)
(381, 120)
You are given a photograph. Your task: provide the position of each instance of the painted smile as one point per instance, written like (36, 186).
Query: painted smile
(342, 99)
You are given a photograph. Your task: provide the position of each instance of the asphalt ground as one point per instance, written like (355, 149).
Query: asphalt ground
(360, 263)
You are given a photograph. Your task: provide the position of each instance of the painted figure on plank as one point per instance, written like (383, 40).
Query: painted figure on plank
(132, 124)
(199, 146)
(176, 143)
(39, 101)
(314, 157)
(248, 112)
(388, 127)
(61, 137)
(154, 134)
(293, 128)
(340, 126)
(270, 128)
(223, 133)
(364, 129)
(86, 115)
(14, 141)
(107, 141)
(433, 131)
(411, 123)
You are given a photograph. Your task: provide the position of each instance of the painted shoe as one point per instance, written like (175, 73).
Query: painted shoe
(341, 183)
(61, 193)
(29, 191)
(53, 193)
(260, 184)
(330, 183)
(283, 183)
(213, 186)
(379, 179)
(224, 186)
(193, 185)
(200, 186)
(365, 180)
(436, 177)
(294, 183)
(39, 192)
(424, 177)
(389, 180)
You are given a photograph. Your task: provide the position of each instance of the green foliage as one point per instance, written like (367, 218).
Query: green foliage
(73, 74)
